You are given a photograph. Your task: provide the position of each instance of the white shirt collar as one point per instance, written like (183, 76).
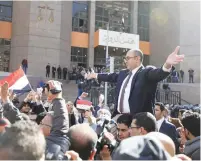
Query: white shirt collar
(136, 69)
(159, 122)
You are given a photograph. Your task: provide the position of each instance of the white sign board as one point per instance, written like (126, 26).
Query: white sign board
(118, 39)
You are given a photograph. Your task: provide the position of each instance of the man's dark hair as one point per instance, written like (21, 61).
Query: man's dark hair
(83, 140)
(191, 122)
(146, 120)
(125, 119)
(182, 111)
(22, 141)
(161, 105)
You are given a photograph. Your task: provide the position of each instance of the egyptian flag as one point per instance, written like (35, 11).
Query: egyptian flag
(17, 81)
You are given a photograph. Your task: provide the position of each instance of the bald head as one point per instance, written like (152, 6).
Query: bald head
(165, 140)
(83, 140)
(137, 52)
(133, 59)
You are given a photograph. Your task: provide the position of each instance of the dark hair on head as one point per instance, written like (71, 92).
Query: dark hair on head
(83, 140)
(125, 119)
(182, 111)
(146, 120)
(161, 105)
(23, 141)
(191, 122)
(24, 104)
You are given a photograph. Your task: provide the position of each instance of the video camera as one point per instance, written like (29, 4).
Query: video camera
(105, 136)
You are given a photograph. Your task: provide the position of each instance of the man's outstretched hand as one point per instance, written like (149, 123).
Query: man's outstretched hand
(91, 76)
(173, 58)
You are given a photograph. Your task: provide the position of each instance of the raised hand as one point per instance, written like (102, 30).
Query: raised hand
(174, 58)
(84, 95)
(5, 92)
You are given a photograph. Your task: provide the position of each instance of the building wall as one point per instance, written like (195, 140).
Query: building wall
(164, 30)
(169, 29)
(190, 37)
(41, 42)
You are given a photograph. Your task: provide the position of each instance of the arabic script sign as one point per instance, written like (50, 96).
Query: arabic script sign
(117, 39)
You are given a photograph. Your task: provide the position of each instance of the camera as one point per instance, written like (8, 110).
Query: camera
(54, 87)
(106, 137)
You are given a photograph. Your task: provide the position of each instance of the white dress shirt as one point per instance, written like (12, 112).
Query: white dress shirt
(126, 108)
(159, 123)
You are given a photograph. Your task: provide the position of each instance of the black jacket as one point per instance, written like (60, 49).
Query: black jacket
(143, 88)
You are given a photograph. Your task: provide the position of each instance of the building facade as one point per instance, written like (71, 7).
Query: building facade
(65, 33)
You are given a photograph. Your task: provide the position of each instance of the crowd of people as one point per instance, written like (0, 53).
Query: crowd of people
(178, 76)
(36, 129)
(138, 128)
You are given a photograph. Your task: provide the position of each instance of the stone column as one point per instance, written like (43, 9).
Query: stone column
(41, 42)
(91, 28)
(134, 16)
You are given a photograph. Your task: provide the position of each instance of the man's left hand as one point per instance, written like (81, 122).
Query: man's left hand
(173, 58)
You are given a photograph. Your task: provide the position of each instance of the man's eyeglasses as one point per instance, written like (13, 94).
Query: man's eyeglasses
(127, 58)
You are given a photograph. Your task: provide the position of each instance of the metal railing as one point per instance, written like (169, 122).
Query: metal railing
(172, 97)
(96, 91)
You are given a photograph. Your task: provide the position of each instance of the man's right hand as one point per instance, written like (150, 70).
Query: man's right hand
(91, 76)
(5, 92)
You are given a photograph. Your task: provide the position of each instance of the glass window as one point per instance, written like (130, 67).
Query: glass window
(79, 55)
(113, 11)
(7, 42)
(1, 41)
(99, 11)
(6, 3)
(105, 12)
(98, 18)
(4, 55)
(79, 7)
(84, 15)
(80, 17)
(75, 22)
(5, 13)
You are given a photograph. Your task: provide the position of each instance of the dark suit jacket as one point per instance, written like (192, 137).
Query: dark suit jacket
(170, 130)
(143, 88)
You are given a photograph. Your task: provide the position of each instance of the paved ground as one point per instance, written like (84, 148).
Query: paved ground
(70, 90)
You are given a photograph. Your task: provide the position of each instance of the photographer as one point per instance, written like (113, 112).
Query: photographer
(123, 132)
(85, 108)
